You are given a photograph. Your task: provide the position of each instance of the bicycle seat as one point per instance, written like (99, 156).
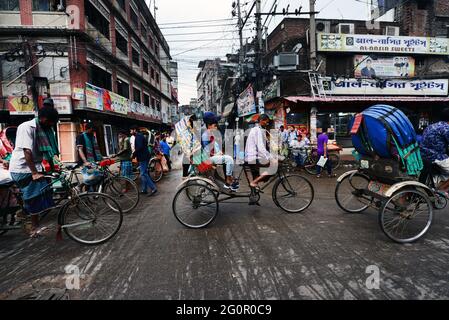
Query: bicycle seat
(7, 185)
(72, 166)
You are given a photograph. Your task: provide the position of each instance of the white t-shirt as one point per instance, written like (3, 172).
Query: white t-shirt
(132, 141)
(26, 134)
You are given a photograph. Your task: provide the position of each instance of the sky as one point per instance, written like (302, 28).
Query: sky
(216, 38)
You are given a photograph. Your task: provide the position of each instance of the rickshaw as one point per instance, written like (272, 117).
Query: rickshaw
(400, 187)
(196, 202)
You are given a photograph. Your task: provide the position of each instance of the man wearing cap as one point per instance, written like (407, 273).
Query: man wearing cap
(213, 149)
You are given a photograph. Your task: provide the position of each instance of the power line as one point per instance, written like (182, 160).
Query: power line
(202, 26)
(202, 40)
(195, 21)
(207, 32)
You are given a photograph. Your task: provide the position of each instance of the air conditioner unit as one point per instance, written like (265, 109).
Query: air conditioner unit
(286, 61)
(391, 31)
(346, 28)
(323, 26)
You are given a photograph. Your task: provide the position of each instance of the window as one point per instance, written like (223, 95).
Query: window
(45, 5)
(146, 99)
(100, 78)
(121, 3)
(121, 42)
(134, 19)
(9, 5)
(144, 31)
(153, 102)
(152, 73)
(158, 106)
(122, 88)
(97, 19)
(157, 78)
(136, 56)
(422, 4)
(151, 42)
(136, 95)
(145, 65)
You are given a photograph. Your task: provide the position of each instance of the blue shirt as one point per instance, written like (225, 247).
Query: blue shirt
(435, 141)
(142, 153)
(165, 147)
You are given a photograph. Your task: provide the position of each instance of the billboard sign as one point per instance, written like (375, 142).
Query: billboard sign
(336, 42)
(397, 67)
(246, 103)
(436, 87)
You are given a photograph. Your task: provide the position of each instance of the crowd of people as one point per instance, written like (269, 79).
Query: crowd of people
(24, 159)
(36, 144)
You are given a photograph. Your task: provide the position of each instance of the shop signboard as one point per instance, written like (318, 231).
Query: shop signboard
(62, 104)
(94, 97)
(78, 94)
(395, 67)
(273, 90)
(336, 42)
(119, 104)
(246, 104)
(22, 105)
(435, 87)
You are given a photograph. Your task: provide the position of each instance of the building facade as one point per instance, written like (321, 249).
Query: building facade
(402, 63)
(103, 61)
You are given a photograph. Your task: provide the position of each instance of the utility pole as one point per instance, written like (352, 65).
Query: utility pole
(259, 31)
(240, 24)
(312, 35)
(28, 57)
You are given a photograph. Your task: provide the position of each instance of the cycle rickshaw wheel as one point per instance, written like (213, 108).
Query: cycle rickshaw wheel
(91, 218)
(349, 193)
(293, 193)
(406, 216)
(195, 205)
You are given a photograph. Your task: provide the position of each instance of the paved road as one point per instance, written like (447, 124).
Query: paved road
(248, 253)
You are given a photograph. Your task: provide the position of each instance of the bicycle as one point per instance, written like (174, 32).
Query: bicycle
(123, 189)
(155, 169)
(89, 218)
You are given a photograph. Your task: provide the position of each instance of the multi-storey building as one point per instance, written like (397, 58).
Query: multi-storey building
(403, 63)
(104, 61)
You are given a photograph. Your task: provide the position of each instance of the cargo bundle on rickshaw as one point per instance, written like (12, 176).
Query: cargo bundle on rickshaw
(386, 144)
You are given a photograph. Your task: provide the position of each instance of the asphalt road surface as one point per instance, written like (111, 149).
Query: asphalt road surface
(247, 253)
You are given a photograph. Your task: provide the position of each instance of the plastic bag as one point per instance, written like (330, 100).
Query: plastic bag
(322, 161)
(164, 165)
(91, 176)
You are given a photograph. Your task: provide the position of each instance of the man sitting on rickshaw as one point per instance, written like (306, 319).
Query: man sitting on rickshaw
(214, 151)
(256, 153)
(434, 149)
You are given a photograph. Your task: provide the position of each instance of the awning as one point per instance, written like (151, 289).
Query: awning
(228, 110)
(365, 98)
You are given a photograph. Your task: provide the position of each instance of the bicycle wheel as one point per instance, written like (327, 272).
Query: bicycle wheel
(124, 191)
(310, 164)
(349, 193)
(335, 160)
(155, 170)
(406, 216)
(91, 218)
(293, 193)
(195, 205)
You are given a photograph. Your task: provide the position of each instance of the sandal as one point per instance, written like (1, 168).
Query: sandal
(39, 232)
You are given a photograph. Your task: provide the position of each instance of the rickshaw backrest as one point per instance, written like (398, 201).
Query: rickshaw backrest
(386, 132)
